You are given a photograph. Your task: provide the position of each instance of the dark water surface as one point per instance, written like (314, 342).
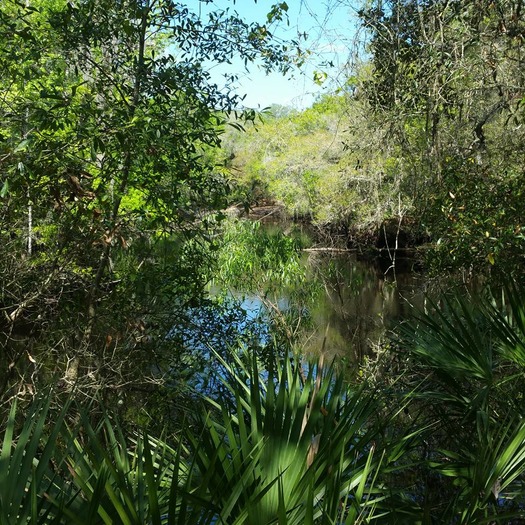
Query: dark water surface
(346, 307)
(356, 302)
(360, 300)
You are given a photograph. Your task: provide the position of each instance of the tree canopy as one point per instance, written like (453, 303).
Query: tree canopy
(424, 136)
(109, 115)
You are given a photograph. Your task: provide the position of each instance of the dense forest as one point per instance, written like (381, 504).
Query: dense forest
(135, 388)
(423, 139)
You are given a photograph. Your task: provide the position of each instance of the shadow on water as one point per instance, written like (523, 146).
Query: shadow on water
(360, 301)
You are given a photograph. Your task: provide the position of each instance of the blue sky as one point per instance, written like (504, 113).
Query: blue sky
(330, 26)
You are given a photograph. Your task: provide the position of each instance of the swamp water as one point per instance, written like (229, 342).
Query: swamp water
(343, 307)
(360, 300)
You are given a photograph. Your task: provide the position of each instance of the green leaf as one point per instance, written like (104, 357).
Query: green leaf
(22, 146)
(5, 189)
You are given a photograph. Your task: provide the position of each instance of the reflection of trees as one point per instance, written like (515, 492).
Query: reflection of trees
(359, 304)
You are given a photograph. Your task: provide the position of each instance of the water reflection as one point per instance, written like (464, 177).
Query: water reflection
(356, 302)
(360, 302)
(353, 307)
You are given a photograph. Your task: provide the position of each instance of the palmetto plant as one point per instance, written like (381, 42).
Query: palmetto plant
(29, 460)
(473, 361)
(288, 445)
(308, 442)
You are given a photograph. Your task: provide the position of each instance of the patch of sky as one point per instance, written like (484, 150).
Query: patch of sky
(325, 31)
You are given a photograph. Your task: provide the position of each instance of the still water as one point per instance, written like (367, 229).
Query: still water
(360, 301)
(351, 304)
(340, 304)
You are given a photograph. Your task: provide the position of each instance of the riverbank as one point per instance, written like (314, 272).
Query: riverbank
(389, 239)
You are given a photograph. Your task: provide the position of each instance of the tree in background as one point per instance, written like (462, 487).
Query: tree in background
(328, 164)
(423, 139)
(447, 81)
(107, 112)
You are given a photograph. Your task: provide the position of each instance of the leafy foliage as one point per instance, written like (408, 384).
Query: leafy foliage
(288, 444)
(424, 136)
(446, 83)
(471, 391)
(108, 185)
(291, 442)
(328, 164)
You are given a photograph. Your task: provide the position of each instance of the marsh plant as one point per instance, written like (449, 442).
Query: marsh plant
(439, 440)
